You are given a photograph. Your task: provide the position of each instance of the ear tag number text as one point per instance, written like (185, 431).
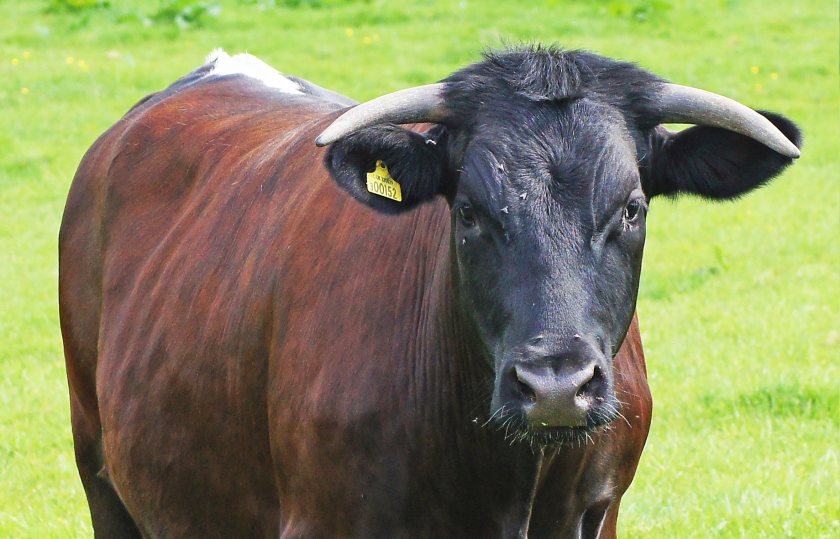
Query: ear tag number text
(380, 182)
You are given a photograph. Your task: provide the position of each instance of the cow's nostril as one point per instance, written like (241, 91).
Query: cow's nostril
(524, 389)
(593, 388)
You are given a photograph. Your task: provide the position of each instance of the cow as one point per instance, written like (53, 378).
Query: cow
(288, 314)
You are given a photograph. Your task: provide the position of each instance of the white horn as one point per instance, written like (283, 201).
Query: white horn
(413, 105)
(684, 104)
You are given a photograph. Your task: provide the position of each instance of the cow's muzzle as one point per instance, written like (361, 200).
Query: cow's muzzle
(563, 387)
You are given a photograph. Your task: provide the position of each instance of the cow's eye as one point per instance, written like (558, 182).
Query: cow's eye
(466, 214)
(632, 211)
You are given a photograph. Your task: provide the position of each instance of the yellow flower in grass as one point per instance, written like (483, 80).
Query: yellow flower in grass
(15, 61)
(70, 60)
(774, 75)
(367, 40)
(24, 91)
(26, 55)
(755, 70)
(82, 65)
(348, 32)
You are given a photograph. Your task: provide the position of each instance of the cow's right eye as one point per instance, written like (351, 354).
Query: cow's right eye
(466, 215)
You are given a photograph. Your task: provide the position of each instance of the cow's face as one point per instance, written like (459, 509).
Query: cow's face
(548, 227)
(548, 200)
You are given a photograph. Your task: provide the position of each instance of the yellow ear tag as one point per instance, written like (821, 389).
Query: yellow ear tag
(380, 182)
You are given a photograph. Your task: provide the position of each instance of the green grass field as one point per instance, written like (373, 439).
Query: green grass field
(739, 301)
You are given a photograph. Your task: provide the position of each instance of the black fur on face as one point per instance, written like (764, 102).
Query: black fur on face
(548, 229)
(548, 166)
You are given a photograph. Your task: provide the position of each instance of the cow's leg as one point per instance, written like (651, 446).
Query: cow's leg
(609, 528)
(107, 512)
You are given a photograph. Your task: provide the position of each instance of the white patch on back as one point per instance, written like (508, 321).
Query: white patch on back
(249, 66)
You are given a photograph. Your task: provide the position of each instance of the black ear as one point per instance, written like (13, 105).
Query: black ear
(414, 161)
(712, 162)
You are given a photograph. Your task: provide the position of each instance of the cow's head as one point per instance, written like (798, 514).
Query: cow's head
(548, 160)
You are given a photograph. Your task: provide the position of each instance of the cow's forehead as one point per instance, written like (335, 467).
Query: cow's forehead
(579, 153)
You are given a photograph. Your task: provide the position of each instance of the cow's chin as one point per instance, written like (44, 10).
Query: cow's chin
(515, 427)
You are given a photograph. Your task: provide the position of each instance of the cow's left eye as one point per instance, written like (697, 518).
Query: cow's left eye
(632, 211)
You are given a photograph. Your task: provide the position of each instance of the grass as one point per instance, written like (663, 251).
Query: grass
(738, 302)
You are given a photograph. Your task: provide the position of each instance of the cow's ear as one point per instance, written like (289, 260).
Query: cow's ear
(412, 160)
(711, 162)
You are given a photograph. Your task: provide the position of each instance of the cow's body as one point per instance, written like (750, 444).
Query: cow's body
(253, 352)
(241, 384)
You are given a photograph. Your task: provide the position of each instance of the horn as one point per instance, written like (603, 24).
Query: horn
(683, 104)
(412, 105)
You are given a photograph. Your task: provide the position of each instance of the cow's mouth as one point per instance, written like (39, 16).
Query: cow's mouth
(561, 436)
(512, 422)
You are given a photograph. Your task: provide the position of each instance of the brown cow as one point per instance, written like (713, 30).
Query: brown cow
(252, 351)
